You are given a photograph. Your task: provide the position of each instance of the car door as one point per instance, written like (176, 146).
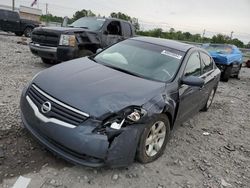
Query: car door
(13, 21)
(112, 33)
(190, 96)
(208, 75)
(126, 30)
(3, 19)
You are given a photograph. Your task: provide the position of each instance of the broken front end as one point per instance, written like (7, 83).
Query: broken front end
(110, 142)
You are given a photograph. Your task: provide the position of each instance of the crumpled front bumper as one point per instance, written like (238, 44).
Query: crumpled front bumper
(81, 145)
(60, 53)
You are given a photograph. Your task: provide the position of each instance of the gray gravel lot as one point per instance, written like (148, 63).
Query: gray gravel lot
(219, 158)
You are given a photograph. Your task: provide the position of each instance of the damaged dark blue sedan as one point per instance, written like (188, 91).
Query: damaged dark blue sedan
(120, 104)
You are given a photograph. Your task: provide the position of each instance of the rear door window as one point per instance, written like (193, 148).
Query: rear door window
(206, 62)
(2, 14)
(127, 30)
(193, 67)
(12, 16)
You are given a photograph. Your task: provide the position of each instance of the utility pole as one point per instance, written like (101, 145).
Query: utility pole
(204, 32)
(47, 14)
(203, 35)
(13, 5)
(47, 8)
(231, 36)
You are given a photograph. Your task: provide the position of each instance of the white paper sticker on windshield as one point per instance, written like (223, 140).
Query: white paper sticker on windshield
(165, 52)
(100, 19)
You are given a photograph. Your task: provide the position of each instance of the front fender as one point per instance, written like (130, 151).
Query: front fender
(161, 104)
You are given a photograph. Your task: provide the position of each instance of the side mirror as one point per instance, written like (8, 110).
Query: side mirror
(98, 50)
(105, 32)
(193, 81)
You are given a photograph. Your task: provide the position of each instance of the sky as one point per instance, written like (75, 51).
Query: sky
(195, 16)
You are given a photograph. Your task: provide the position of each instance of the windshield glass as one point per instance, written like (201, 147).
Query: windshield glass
(142, 59)
(92, 24)
(224, 49)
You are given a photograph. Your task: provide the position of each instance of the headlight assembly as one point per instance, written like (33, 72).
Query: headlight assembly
(127, 117)
(67, 40)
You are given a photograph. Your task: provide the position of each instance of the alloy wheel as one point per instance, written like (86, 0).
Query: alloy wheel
(210, 98)
(155, 138)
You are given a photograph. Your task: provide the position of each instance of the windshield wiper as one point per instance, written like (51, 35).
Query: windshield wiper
(83, 27)
(92, 58)
(123, 70)
(77, 27)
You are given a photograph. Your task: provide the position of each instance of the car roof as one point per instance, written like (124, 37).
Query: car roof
(166, 42)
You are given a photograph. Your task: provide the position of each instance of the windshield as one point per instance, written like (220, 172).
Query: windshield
(142, 59)
(92, 24)
(223, 49)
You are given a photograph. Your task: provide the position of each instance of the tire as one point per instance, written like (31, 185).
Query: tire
(27, 32)
(238, 73)
(157, 144)
(209, 100)
(48, 61)
(18, 34)
(226, 74)
(84, 53)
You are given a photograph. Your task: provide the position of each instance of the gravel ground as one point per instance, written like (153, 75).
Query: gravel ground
(210, 150)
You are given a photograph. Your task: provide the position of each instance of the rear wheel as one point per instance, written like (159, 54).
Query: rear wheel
(209, 100)
(48, 61)
(226, 74)
(153, 139)
(238, 73)
(27, 32)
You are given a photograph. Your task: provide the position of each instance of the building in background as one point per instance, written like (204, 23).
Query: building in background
(28, 13)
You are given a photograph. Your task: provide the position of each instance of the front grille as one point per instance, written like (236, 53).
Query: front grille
(45, 38)
(57, 111)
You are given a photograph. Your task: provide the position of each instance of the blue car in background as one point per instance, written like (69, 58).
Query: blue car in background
(228, 59)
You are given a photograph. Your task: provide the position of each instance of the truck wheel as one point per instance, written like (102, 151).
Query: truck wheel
(83, 53)
(18, 34)
(238, 73)
(27, 32)
(48, 61)
(226, 74)
(153, 139)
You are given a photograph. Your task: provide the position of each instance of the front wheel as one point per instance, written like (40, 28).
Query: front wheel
(48, 61)
(27, 32)
(18, 34)
(154, 139)
(85, 52)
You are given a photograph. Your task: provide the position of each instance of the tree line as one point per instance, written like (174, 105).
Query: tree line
(187, 36)
(89, 13)
(157, 32)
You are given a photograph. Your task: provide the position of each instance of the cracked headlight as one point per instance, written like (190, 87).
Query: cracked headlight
(136, 114)
(67, 40)
(129, 116)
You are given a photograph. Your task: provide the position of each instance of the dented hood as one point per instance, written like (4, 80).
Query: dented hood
(60, 30)
(95, 88)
